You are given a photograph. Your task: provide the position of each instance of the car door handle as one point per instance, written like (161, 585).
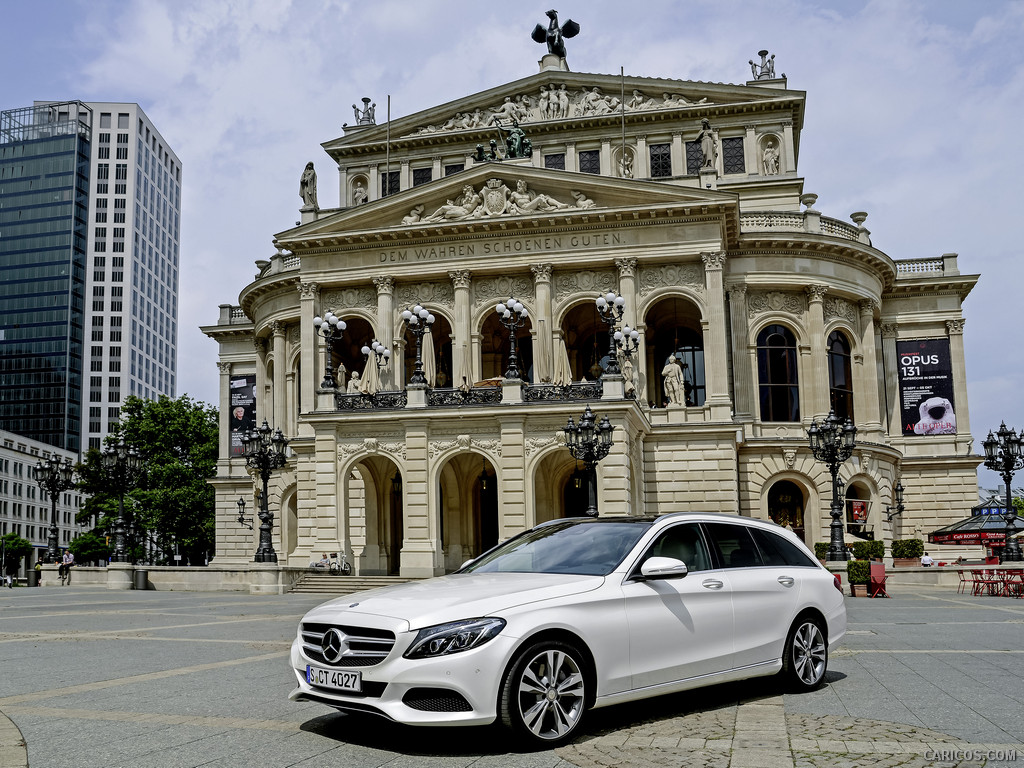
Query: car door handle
(787, 581)
(712, 584)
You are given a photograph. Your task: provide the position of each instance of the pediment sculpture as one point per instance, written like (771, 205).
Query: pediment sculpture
(495, 198)
(556, 102)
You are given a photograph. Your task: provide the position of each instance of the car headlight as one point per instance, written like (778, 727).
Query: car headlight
(457, 636)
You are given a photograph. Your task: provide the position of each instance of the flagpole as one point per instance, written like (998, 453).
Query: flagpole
(387, 154)
(622, 103)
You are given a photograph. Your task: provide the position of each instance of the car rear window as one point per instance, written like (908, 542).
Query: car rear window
(776, 550)
(733, 545)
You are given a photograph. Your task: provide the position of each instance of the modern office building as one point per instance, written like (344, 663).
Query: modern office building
(90, 201)
(756, 315)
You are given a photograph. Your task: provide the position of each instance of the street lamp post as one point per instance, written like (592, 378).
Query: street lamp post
(418, 320)
(381, 353)
(332, 328)
(122, 466)
(627, 341)
(513, 315)
(589, 443)
(264, 453)
(610, 308)
(833, 443)
(54, 477)
(897, 507)
(242, 519)
(1003, 454)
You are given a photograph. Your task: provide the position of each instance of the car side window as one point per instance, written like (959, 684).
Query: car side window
(682, 542)
(733, 545)
(776, 550)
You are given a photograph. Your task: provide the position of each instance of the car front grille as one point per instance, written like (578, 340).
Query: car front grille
(365, 647)
(435, 700)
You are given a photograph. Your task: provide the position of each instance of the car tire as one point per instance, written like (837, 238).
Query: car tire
(805, 658)
(544, 694)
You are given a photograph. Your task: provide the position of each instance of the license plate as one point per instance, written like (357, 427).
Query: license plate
(337, 679)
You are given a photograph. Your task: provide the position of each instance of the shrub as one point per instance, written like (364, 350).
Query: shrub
(821, 550)
(907, 548)
(858, 571)
(869, 550)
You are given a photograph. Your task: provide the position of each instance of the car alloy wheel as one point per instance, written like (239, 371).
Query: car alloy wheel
(544, 694)
(806, 655)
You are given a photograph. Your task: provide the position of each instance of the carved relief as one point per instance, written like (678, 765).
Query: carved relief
(534, 444)
(437, 294)
(464, 442)
(841, 308)
(789, 455)
(495, 198)
(570, 283)
(349, 298)
(689, 275)
(294, 336)
(502, 287)
(371, 445)
(775, 301)
(955, 327)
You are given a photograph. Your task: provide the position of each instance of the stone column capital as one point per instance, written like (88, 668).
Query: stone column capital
(738, 292)
(714, 260)
(309, 290)
(868, 307)
(627, 267)
(385, 284)
(259, 344)
(955, 327)
(816, 293)
(541, 273)
(889, 330)
(461, 278)
(277, 328)
(224, 368)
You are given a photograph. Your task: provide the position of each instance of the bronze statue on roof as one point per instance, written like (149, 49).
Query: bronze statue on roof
(554, 34)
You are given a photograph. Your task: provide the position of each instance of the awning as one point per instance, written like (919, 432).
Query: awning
(976, 529)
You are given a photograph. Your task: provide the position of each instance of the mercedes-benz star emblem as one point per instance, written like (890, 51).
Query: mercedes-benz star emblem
(333, 645)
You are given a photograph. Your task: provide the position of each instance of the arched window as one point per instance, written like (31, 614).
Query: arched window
(840, 376)
(777, 374)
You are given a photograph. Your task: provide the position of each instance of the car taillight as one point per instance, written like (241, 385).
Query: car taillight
(838, 582)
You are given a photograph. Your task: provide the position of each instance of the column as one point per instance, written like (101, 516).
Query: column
(866, 395)
(311, 374)
(373, 184)
(955, 329)
(385, 332)
(461, 280)
(543, 324)
(716, 366)
(343, 187)
(404, 176)
(817, 389)
(280, 368)
(262, 392)
(751, 161)
(571, 161)
(890, 331)
(642, 162)
(421, 544)
(224, 417)
(436, 171)
(742, 372)
(606, 158)
(788, 164)
(630, 317)
(677, 154)
(290, 426)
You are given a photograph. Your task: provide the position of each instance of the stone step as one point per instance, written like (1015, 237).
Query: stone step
(327, 584)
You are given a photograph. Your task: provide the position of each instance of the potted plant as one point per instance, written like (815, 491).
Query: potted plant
(869, 550)
(821, 551)
(906, 553)
(858, 572)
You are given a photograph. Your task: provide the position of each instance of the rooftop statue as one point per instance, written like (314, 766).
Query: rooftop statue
(766, 69)
(554, 34)
(307, 187)
(365, 116)
(516, 143)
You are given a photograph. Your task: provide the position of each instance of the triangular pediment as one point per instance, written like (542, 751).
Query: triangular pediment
(507, 194)
(576, 102)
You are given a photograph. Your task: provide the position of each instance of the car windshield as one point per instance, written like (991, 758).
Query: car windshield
(585, 547)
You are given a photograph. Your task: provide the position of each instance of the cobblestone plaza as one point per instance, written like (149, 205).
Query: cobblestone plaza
(99, 679)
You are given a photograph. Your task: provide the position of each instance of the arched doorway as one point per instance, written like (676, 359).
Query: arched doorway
(560, 487)
(467, 499)
(586, 342)
(857, 505)
(674, 330)
(374, 530)
(440, 336)
(346, 356)
(495, 347)
(786, 506)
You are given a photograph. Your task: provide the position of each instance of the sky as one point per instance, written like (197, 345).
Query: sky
(913, 114)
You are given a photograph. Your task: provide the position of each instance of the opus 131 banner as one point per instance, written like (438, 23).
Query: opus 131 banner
(926, 387)
(243, 410)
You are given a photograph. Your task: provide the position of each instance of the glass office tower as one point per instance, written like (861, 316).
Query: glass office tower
(45, 154)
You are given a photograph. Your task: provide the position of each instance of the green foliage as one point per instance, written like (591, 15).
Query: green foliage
(821, 550)
(907, 548)
(858, 571)
(89, 547)
(869, 550)
(15, 548)
(178, 442)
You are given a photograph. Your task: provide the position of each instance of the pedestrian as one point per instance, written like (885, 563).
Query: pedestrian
(926, 561)
(65, 566)
(11, 569)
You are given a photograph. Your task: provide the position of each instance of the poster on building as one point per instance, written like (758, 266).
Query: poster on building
(243, 410)
(926, 387)
(858, 511)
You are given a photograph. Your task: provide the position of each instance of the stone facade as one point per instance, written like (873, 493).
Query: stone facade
(710, 258)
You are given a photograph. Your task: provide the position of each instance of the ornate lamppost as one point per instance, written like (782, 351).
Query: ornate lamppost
(1003, 455)
(264, 453)
(833, 443)
(897, 507)
(381, 353)
(627, 341)
(589, 443)
(418, 321)
(242, 519)
(54, 477)
(332, 328)
(513, 315)
(610, 308)
(122, 466)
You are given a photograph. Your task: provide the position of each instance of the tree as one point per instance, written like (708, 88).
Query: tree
(89, 547)
(14, 548)
(178, 442)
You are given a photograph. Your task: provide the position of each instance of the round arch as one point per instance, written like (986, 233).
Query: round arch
(370, 521)
(558, 485)
(585, 337)
(792, 496)
(467, 485)
(674, 328)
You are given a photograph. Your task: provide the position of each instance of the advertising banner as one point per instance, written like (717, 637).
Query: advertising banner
(926, 387)
(243, 410)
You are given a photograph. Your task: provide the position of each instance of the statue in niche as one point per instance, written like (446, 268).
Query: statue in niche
(554, 35)
(624, 161)
(628, 375)
(463, 208)
(770, 158)
(582, 201)
(708, 149)
(673, 381)
(359, 194)
(525, 201)
(307, 187)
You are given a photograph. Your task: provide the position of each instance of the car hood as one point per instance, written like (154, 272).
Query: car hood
(449, 598)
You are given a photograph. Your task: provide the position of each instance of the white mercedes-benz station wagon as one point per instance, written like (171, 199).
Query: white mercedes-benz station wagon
(574, 614)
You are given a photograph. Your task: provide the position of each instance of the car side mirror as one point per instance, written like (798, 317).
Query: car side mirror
(663, 568)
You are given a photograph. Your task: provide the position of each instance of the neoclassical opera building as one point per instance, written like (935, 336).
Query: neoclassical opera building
(755, 313)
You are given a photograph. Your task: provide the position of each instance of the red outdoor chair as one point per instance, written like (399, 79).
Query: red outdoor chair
(964, 581)
(876, 584)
